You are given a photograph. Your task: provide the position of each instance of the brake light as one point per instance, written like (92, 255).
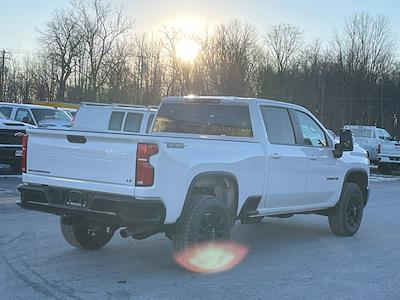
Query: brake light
(379, 148)
(24, 150)
(144, 170)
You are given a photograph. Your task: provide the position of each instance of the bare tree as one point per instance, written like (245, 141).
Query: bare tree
(283, 44)
(101, 26)
(60, 40)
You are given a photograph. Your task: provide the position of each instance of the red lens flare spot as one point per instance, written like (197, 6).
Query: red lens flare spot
(211, 257)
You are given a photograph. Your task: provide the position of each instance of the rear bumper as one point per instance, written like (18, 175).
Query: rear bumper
(7, 154)
(389, 159)
(98, 207)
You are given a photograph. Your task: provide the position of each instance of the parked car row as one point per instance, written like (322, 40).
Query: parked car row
(16, 118)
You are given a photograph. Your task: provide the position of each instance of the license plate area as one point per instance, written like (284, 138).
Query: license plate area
(18, 153)
(76, 199)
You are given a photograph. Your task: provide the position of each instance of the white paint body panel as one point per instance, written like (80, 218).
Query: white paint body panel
(106, 163)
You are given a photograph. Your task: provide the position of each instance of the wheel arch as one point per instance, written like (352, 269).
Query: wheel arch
(219, 179)
(358, 176)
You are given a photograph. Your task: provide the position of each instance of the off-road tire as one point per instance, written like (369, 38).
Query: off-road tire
(80, 235)
(190, 228)
(345, 218)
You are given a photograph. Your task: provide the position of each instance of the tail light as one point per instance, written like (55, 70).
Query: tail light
(144, 170)
(24, 150)
(379, 148)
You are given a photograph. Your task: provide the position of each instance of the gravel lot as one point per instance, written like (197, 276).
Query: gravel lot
(288, 258)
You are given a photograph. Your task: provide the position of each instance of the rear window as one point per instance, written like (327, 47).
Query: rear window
(116, 120)
(50, 114)
(362, 132)
(208, 119)
(133, 122)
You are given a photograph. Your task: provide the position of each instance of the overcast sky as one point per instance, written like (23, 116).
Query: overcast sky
(316, 18)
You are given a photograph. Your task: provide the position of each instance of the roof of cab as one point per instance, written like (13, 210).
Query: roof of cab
(120, 106)
(233, 99)
(27, 105)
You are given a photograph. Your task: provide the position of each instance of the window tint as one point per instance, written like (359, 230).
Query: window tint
(278, 125)
(42, 115)
(116, 120)
(313, 135)
(149, 122)
(6, 111)
(384, 135)
(23, 115)
(201, 118)
(133, 122)
(362, 132)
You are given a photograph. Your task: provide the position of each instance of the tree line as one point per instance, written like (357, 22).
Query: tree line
(91, 52)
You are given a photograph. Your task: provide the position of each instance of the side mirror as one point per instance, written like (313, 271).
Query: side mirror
(346, 143)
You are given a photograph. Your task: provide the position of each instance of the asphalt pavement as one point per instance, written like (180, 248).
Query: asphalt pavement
(297, 258)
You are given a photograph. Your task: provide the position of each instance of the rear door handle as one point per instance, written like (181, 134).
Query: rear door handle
(275, 155)
(312, 157)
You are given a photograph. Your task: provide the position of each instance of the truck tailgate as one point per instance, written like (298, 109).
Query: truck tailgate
(81, 158)
(390, 149)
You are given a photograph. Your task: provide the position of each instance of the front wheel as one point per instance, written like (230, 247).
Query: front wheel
(206, 218)
(345, 218)
(86, 236)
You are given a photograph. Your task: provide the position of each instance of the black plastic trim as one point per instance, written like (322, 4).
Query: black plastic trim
(103, 207)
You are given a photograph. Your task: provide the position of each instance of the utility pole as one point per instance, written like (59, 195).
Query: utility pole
(382, 115)
(142, 69)
(2, 75)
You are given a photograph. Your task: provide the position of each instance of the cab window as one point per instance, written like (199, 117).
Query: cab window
(278, 125)
(23, 115)
(312, 134)
(6, 111)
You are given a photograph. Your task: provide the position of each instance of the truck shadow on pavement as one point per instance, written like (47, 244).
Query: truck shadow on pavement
(128, 256)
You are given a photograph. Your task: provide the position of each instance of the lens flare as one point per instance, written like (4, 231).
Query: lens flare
(211, 257)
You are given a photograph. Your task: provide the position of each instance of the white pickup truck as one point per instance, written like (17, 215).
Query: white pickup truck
(208, 162)
(382, 149)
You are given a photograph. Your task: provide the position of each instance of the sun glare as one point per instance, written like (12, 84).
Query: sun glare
(187, 50)
(187, 25)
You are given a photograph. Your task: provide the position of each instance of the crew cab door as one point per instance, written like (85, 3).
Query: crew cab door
(323, 176)
(287, 164)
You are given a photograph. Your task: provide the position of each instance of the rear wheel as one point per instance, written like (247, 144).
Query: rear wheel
(85, 235)
(206, 218)
(345, 218)
(385, 168)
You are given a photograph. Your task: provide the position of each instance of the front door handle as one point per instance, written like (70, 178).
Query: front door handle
(312, 157)
(275, 155)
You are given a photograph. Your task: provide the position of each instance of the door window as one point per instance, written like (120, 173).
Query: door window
(313, 135)
(23, 115)
(278, 125)
(6, 111)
